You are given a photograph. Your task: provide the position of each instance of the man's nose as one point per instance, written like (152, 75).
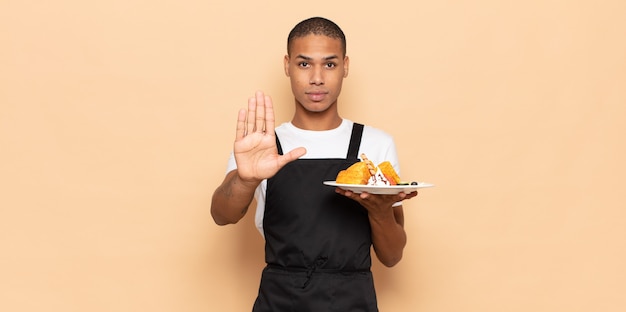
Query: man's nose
(317, 77)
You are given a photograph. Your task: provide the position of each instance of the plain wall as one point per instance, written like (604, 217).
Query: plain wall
(117, 118)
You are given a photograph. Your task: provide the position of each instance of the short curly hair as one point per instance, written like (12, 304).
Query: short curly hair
(317, 26)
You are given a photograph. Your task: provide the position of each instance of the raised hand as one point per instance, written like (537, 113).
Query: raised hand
(255, 141)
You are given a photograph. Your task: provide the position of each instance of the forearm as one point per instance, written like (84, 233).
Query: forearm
(231, 199)
(388, 236)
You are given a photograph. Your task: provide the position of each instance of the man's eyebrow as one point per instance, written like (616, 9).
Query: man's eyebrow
(308, 58)
(304, 57)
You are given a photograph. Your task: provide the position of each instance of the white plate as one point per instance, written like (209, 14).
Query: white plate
(372, 189)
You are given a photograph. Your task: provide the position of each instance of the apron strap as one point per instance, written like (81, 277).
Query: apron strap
(355, 141)
(280, 148)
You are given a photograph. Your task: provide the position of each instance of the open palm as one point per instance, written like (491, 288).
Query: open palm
(255, 141)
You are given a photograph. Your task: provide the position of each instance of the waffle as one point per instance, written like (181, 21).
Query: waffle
(361, 172)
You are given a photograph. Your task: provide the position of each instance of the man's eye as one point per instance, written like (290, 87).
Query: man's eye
(331, 65)
(303, 64)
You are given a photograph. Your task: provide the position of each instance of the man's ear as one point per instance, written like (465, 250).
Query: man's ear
(346, 66)
(286, 65)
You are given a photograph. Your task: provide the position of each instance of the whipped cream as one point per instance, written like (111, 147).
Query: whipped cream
(378, 179)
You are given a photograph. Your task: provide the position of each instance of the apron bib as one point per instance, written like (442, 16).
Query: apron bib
(317, 242)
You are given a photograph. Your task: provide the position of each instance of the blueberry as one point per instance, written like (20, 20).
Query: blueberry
(413, 183)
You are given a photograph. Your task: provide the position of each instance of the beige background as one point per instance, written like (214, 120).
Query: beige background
(117, 117)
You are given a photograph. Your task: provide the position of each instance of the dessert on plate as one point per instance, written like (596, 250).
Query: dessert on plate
(365, 172)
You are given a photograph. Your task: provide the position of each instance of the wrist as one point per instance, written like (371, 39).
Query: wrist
(247, 183)
(382, 216)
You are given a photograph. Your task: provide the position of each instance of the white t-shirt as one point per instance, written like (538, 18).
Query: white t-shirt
(376, 144)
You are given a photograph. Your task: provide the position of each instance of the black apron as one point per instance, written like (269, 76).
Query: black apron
(317, 242)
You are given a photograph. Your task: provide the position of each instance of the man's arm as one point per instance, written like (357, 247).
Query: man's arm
(256, 157)
(231, 199)
(388, 235)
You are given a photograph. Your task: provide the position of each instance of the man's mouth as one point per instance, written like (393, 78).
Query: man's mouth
(316, 96)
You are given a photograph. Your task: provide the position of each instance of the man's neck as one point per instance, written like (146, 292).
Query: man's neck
(316, 121)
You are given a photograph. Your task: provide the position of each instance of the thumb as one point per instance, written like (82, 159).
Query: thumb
(291, 156)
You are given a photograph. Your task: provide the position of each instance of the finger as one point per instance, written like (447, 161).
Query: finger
(251, 115)
(343, 192)
(411, 195)
(291, 156)
(270, 122)
(241, 125)
(348, 194)
(404, 196)
(260, 112)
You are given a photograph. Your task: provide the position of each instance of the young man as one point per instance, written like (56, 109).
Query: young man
(318, 238)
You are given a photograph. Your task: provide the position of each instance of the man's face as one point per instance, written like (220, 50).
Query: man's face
(316, 67)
